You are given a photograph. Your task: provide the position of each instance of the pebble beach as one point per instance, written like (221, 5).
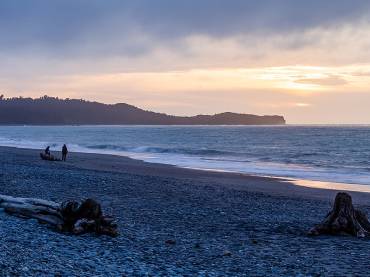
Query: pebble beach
(172, 222)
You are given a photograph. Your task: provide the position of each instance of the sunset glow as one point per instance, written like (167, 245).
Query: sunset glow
(199, 67)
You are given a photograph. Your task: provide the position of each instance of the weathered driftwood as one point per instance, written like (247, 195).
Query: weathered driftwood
(343, 219)
(71, 217)
(48, 157)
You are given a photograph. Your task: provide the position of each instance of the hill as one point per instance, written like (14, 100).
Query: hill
(54, 111)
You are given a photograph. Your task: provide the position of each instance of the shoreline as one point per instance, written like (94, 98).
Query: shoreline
(289, 163)
(218, 224)
(280, 186)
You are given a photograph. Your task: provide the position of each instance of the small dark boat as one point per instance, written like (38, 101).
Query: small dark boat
(48, 157)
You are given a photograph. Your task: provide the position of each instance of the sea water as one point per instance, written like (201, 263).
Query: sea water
(322, 153)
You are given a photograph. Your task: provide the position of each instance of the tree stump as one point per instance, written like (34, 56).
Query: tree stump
(343, 219)
(70, 217)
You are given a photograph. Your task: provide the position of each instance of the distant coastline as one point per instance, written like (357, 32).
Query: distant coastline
(54, 111)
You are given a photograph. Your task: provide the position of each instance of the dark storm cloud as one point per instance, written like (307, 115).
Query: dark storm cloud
(111, 26)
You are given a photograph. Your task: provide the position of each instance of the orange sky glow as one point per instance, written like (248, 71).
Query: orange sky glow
(316, 74)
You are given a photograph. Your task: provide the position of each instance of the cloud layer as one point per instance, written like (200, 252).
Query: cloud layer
(177, 56)
(116, 27)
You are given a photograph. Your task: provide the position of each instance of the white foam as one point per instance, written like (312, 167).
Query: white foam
(258, 168)
(229, 164)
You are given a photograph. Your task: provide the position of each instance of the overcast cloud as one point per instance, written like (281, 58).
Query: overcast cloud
(119, 27)
(267, 56)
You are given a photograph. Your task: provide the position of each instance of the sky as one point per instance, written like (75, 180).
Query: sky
(306, 60)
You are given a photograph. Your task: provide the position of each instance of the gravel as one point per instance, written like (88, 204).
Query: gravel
(169, 227)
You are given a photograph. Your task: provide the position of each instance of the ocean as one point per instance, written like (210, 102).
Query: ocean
(320, 153)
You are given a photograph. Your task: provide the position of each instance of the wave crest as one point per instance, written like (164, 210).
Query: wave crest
(161, 150)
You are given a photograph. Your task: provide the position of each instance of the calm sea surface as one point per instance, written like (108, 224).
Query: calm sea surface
(322, 153)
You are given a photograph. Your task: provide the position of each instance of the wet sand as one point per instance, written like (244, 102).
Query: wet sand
(273, 186)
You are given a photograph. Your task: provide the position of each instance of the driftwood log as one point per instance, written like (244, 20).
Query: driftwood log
(49, 157)
(68, 217)
(343, 219)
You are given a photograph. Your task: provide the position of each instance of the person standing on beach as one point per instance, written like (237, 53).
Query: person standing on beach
(47, 151)
(64, 152)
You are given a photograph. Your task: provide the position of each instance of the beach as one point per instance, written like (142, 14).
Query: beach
(172, 222)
